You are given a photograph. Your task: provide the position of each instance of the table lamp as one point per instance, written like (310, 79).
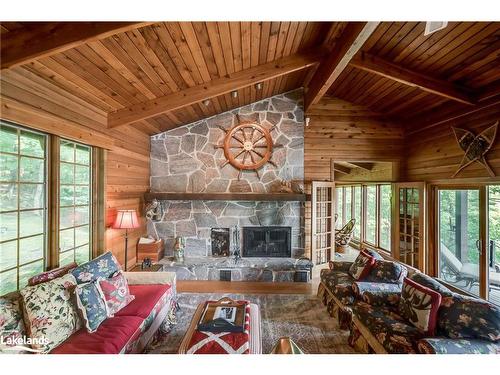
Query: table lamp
(126, 219)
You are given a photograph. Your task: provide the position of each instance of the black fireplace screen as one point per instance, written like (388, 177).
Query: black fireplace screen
(267, 242)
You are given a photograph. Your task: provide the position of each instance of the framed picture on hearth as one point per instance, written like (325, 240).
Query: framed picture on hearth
(220, 242)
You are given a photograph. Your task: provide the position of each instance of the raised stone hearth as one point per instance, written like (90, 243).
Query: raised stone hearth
(245, 269)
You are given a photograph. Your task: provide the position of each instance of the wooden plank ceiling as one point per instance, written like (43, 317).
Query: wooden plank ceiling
(438, 73)
(393, 68)
(153, 61)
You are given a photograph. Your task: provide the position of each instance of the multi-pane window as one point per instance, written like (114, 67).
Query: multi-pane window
(385, 217)
(370, 206)
(23, 209)
(371, 215)
(27, 223)
(74, 204)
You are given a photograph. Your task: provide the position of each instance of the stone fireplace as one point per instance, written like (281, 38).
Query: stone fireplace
(186, 160)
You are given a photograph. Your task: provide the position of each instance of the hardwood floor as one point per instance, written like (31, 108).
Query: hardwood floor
(247, 287)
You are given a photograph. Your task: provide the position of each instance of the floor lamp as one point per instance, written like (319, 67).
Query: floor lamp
(126, 219)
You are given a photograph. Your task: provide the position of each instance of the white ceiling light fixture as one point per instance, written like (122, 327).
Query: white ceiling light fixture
(258, 86)
(206, 102)
(234, 94)
(433, 26)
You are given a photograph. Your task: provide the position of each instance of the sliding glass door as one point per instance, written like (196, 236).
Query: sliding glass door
(459, 236)
(468, 238)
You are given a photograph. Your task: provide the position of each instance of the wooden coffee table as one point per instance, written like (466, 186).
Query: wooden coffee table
(255, 343)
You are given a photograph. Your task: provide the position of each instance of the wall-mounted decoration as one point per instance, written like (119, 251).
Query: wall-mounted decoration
(248, 146)
(475, 147)
(154, 210)
(219, 237)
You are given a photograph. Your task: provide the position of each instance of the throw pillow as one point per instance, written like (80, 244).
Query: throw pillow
(116, 292)
(50, 313)
(11, 323)
(385, 271)
(103, 266)
(91, 304)
(361, 266)
(51, 275)
(419, 305)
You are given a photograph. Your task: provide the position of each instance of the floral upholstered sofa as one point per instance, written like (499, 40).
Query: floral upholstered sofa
(125, 320)
(463, 324)
(343, 283)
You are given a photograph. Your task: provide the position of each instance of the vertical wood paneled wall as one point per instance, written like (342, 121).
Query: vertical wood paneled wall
(434, 155)
(127, 158)
(339, 130)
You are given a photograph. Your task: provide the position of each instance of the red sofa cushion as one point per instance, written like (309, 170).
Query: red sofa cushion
(110, 338)
(146, 297)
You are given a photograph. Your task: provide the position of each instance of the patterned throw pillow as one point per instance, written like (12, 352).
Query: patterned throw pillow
(385, 271)
(419, 305)
(103, 266)
(116, 292)
(361, 266)
(91, 304)
(11, 322)
(51, 275)
(50, 312)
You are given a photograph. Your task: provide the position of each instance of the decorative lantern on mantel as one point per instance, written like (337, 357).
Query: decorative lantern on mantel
(180, 244)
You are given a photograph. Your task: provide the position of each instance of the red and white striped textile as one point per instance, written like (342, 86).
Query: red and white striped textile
(222, 342)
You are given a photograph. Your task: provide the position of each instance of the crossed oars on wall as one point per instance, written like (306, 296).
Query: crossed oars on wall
(475, 147)
(248, 146)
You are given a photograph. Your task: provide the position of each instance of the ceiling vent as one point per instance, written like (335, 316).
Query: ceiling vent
(433, 26)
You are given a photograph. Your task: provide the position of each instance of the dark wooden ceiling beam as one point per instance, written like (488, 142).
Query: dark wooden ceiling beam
(214, 88)
(47, 38)
(341, 169)
(352, 39)
(374, 64)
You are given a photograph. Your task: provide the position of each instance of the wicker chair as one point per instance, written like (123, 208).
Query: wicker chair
(344, 235)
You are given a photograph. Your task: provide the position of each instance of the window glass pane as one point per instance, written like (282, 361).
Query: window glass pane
(32, 170)
(82, 154)
(75, 193)
(66, 198)
(348, 206)
(385, 217)
(82, 174)
(29, 270)
(31, 222)
(32, 249)
(8, 197)
(494, 243)
(8, 281)
(8, 167)
(66, 258)
(82, 195)
(8, 139)
(8, 226)
(67, 151)
(67, 173)
(32, 144)
(23, 191)
(8, 255)
(357, 211)
(339, 208)
(371, 214)
(32, 196)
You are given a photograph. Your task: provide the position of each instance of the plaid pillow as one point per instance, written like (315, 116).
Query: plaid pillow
(116, 292)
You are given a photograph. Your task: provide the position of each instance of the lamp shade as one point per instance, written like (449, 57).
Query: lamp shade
(126, 219)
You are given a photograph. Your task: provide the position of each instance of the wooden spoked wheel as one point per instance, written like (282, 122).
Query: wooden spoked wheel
(248, 146)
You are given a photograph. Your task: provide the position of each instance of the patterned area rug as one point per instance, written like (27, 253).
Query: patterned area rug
(301, 317)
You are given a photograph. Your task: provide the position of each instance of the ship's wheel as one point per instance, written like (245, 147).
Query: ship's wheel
(248, 146)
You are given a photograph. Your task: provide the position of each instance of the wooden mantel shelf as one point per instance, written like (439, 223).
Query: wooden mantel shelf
(261, 197)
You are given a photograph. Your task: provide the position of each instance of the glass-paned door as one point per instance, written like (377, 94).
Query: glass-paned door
(409, 224)
(494, 244)
(323, 222)
(459, 237)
